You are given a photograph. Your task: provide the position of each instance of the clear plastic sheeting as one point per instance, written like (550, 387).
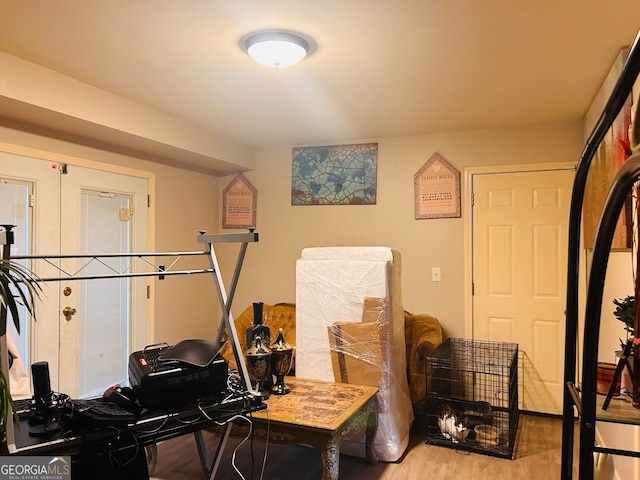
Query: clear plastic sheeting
(350, 328)
(356, 348)
(18, 376)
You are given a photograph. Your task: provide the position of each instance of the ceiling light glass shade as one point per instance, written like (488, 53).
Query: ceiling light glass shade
(276, 49)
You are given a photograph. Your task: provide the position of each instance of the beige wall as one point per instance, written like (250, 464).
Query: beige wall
(187, 307)
(269, 273)
(185, 202)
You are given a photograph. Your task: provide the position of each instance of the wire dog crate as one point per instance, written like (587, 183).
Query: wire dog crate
(472, 396)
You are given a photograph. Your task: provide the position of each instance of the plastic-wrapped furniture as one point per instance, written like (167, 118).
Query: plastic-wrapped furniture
(331, 287)
(423, 333)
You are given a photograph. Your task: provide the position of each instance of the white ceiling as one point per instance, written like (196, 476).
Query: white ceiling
(378, 68)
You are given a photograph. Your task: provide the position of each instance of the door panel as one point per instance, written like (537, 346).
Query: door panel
(104, 332)
(84, 211)
(15, 201)
(101, 212)
(37, 230)
(519, 258)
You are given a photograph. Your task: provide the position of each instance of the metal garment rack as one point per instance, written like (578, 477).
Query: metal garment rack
(626, 177)
(225, 299)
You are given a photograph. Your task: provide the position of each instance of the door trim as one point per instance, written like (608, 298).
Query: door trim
(469, 174)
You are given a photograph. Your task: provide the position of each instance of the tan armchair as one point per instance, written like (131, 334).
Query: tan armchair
(280, 315)
(423, 333)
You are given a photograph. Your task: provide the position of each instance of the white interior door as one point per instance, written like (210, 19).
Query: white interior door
(89, 211)
(519, 274)
(101, 212)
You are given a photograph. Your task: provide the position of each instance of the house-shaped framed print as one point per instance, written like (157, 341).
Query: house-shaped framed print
(437, 189)
(239, 201)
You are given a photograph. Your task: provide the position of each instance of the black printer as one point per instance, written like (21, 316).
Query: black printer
(163, 375)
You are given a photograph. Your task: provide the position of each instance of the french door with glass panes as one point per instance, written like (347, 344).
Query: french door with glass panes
(85, 329)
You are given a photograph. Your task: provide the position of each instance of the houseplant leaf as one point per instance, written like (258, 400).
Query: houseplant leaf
(625, 311)
(18, 286)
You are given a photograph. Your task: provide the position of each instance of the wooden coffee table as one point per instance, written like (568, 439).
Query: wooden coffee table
(322, 415)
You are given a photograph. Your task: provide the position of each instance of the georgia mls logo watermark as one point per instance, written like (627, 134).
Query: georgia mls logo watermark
(35, 468)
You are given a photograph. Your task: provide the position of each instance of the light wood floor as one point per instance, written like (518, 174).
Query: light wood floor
(537, 456)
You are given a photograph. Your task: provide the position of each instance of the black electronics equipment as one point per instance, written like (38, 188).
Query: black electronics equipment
(46, 406)
(124, 397)
(99, 412)
(41, 381)
(163, 375)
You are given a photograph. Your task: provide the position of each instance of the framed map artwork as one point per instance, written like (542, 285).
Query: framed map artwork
(334, 175)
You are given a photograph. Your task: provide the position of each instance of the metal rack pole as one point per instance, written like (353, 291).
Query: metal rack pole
(6, 239)
(225, 300)
(613, 106)
(622, 185)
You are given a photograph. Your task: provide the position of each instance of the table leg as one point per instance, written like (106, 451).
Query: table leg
(202, 452)
(152, 457)
(211, 468)
(330, 460)
(370, 434)
(220, 451)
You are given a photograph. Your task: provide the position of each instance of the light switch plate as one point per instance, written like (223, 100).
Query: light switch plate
(436, 275)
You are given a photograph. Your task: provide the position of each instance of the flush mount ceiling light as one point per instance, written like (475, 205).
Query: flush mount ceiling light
(276, 49)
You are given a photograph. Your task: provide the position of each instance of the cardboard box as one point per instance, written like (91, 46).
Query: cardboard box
(356, 353)
(374, 310)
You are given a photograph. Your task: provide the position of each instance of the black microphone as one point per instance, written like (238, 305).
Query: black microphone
(41, 382)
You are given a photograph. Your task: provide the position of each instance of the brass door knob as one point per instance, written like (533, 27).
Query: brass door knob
(68, 312)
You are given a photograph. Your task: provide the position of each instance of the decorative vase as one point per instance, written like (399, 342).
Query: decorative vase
(258, 357)
(258, 327)
(281, 360)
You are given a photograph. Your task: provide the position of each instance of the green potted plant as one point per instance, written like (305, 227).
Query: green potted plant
(19, 286)
(625, 312)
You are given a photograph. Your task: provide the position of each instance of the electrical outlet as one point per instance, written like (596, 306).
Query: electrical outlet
(435, 274)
